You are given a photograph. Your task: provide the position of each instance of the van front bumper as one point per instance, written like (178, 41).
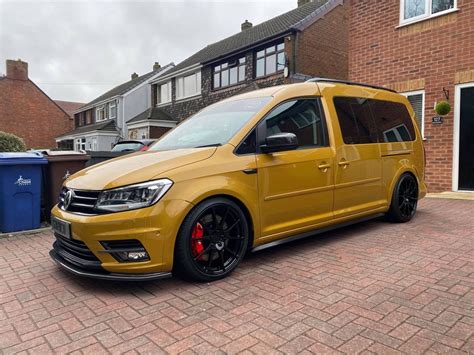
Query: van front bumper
(88, 253)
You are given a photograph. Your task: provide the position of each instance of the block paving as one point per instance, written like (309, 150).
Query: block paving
(374, 287)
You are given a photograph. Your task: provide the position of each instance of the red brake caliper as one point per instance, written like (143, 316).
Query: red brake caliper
(197, 246)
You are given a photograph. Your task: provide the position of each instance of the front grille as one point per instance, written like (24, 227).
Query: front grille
(81, 202)
(76, 252)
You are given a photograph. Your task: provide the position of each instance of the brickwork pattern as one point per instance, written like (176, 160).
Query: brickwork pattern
(375, 287)
(436, 51)
(27, 112)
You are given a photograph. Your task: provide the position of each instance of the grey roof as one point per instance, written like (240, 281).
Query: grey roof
(106, 126)
(153, 113)
(129, 85)
(280, 25)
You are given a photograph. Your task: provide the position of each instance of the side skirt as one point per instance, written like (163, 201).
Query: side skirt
(315, 232)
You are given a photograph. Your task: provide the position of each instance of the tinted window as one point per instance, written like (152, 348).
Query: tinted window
(249, 144)
(393, 121)
(355, 119)
(303, 118)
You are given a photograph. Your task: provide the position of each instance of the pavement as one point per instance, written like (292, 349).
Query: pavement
(374, 287)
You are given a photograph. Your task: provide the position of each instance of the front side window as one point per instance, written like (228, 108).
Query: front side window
(189, 85)
(418, 9)
(270, 60)
(303, 118)
(164, 93)
(229, 73)
(417, 101)
(213, 126)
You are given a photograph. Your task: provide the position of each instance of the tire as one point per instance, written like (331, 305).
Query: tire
(404, 199)
(212, 240)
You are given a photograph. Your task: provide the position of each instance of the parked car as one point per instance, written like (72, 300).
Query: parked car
(133, 145)
(249, 172)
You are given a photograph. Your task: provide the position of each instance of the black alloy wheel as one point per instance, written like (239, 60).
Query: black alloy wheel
(212, 241)
(404, 199)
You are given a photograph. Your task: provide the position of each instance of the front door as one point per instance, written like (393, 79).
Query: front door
(295, 187)
(466, 140)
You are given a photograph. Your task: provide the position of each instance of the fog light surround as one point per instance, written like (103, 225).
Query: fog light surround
(132, 256)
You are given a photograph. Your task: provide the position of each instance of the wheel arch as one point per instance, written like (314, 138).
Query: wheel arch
(402, 170)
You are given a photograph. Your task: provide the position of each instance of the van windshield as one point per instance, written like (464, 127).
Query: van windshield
(213, 126)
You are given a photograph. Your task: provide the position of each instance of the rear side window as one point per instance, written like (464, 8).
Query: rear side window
(356, 121)
(393, 121)
(302, 117)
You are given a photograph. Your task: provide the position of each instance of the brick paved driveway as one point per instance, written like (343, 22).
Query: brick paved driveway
(373, 288)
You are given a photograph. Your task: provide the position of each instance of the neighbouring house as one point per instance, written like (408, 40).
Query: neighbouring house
(424, 50)
(310, 40)
(26, 111)
(69, 107)
(102, 122)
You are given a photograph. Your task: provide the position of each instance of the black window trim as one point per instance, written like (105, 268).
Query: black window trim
(259, 127)
(238, 65)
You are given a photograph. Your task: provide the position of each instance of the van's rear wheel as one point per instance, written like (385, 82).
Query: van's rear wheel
(212, 240)
(404, 199)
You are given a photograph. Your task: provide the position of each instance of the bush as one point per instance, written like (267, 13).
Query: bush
(11, 143)
(442, 108)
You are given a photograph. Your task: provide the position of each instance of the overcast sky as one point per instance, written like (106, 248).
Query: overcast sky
(79, 49)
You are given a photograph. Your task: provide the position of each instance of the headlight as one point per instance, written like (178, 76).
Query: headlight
(133, 196)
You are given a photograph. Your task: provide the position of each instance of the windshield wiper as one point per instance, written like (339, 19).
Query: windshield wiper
(209, 145)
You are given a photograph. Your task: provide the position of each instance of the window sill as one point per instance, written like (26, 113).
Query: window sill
(409, 23)
(186, 98)
(229, 87)
(162, 104)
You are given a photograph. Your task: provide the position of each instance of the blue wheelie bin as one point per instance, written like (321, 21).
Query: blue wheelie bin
(20, 191)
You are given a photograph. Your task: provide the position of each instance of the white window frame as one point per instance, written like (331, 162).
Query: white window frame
(158, 93)
(427, 15)
(180, 82)
(111, 105)
(100, 108)
(419, 92)
(80, 143)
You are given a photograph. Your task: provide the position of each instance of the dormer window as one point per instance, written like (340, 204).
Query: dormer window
(270, 60)
(229, 73)
(100, 114)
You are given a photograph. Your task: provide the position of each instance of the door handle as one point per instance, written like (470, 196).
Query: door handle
(324, 167)
(343, 163)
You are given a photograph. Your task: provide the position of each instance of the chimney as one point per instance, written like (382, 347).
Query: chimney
(156, 66)
(17, 70)
(134, 76)
(246, 25)
(303, 2)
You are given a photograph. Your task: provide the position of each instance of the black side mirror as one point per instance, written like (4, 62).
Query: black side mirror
(280, 142)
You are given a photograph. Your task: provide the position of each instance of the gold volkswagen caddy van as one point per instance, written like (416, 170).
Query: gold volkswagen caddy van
(245, 173)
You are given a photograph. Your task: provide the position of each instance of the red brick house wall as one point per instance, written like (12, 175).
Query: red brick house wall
(26, 111)
(426, 55)
(322, 47)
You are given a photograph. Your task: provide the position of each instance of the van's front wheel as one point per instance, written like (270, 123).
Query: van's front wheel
(404, 199)
(212, 240)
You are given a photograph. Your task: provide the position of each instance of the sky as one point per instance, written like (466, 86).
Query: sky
(78, 49)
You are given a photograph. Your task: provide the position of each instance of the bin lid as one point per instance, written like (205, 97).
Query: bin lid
(64, 155)
(22, 158)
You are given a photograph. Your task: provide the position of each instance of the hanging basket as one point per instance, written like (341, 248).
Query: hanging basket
(442, 108)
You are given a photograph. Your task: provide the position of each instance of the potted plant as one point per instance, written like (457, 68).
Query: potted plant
(442, 108)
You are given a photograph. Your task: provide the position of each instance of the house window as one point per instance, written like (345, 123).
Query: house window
(417, 101)
(164, 93)
(80, 144)
(113, 109)
(270, 60)
(100, 113)
(412, 10)
(229, 73)
(187, 86)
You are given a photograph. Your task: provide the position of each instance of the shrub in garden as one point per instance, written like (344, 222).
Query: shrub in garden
(11, 143)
